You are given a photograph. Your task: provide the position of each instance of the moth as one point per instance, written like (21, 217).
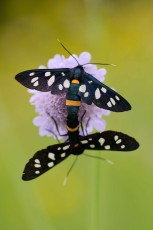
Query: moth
(60, 80)
(46, 159)
(78, 85)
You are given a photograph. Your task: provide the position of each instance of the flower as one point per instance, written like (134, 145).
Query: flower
(52, 108)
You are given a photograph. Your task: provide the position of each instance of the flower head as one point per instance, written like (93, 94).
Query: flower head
(52, 108)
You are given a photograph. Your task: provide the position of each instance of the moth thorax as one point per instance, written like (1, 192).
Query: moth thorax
(78, 72)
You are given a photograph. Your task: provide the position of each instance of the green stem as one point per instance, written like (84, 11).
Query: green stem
(96, 196)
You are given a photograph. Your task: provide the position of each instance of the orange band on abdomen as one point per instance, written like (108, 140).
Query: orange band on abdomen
(75, 81)
(73, 103)
(72, 129)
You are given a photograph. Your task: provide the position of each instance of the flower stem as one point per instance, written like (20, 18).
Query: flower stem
(96, 196)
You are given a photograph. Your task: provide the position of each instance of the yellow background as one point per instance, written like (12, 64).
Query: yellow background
(98, 195)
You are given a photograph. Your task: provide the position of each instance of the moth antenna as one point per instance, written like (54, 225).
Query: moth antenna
(68, 173)
(100, 158)
(97, 63)
(67, 50)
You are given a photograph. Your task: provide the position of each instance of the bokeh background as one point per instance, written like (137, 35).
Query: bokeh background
(98, 195)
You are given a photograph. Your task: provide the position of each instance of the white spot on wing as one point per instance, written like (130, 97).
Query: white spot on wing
(37, 161)
(37, 172)
(66, 83)
(86, 94)
(63, 74)
(34, 79)
(107, 146)
(66, 147)
(109, 104)
(50, 164)
(37, 165)
(51, 156)
(104, 90)
(36, 83)
(116, 137)
(117, 98)
(84, 141)
(118, 141)
(31, 74)
(63, 155)
(113, 101)
(51, 80)
(59, 148)
(47, 74)
(97, 93)
(92, 146)
(82, 88)
(60, 87)
(122, 146)
(101, 141)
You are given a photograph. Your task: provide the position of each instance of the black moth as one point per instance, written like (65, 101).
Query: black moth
(58, 81)
(46, 159)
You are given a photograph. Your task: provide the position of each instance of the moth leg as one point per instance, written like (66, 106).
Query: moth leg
(87, 126)
(56, 137)
(81, 122)
(100, 158)
(56, 125)
(66, 177)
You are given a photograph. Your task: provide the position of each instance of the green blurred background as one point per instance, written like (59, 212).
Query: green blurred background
(98, 195)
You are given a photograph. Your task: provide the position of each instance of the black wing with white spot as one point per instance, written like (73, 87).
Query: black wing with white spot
(109, 140)
(60, 85)
(101, 95)
(44, 160)
(86, 92)
(45, 80)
